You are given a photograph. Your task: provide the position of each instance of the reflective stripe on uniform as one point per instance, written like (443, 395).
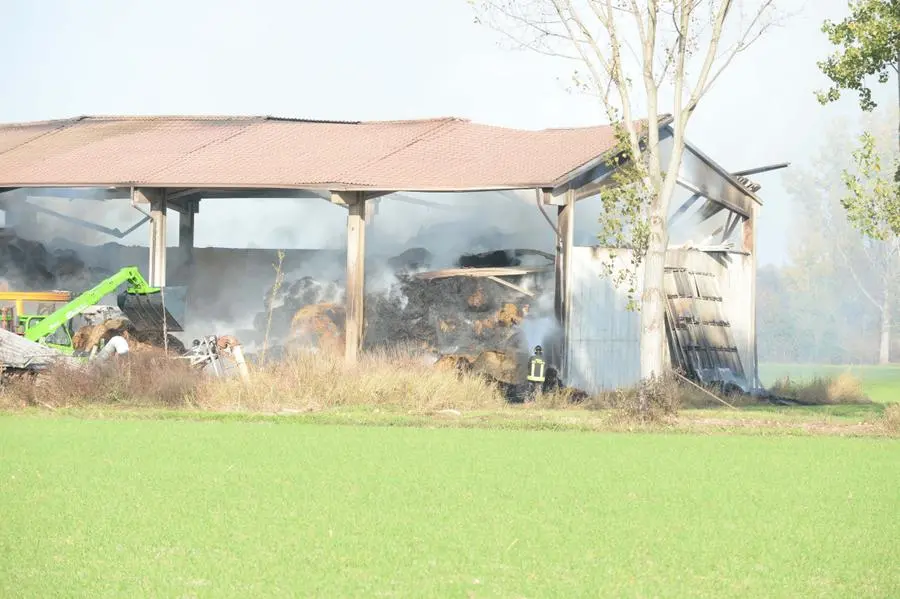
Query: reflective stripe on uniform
(536, 370)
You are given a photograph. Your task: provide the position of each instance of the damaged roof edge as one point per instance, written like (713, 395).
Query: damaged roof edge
(721, 171)
(664, 121)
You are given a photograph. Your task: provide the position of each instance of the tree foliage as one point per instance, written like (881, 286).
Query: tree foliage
(868, 44)
(873, 199)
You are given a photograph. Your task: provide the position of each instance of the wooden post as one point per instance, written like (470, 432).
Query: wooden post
(156, 199)
(749, 245)
(565, 224)
(186, 230)
(186, 222)
(356, 267)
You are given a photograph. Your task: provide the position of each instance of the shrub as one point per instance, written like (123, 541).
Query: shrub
(843, 389)
(654, 400)
(891, 419)
(145, 378)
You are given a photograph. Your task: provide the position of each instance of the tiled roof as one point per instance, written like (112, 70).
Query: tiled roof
(446, 154)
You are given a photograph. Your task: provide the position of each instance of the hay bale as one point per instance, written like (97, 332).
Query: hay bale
(509, 315)
(476, 300)
(318, 325)
(459, 362)
(498, 365)
(90, 336)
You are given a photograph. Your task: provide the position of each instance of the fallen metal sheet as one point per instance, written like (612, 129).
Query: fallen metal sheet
(703, 338)
(18, 352)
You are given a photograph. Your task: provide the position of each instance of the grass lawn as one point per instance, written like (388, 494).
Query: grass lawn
(880, 383)
(176, 508)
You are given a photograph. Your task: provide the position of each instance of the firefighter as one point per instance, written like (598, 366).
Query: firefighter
(536, 372)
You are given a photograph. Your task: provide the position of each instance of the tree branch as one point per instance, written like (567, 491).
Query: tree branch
(746, 40)
(856, 278)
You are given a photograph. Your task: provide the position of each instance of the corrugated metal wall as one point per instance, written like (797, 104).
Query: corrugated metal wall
(603, 338)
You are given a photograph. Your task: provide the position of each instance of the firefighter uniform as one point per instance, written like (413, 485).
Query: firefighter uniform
(536, 373)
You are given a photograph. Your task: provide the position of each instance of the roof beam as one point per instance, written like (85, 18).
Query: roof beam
(760, 169)
(734, 207)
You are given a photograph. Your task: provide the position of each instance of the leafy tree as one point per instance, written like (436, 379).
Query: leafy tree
(639, 58)
(868, 44)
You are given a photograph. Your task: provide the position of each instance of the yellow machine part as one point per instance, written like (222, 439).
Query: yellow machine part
(20, 297)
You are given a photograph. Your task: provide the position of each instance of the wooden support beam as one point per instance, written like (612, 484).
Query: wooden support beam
(513, 286)
(565, 223)
(483, 272)
(156, 198)
(554, 197)
(372, 211)
(186, 229)
(343, 198)
(354, 328)
(594, 188)
(749, 246)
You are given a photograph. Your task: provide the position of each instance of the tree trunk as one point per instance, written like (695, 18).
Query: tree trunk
(653, 332)
(884, 351)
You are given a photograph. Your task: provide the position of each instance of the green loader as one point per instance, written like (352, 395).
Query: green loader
(140, 303)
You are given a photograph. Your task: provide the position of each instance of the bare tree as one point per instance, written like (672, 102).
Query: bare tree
(846, 201)
(675, 50)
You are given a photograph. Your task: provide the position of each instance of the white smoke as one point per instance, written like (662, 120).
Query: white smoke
(231, 291)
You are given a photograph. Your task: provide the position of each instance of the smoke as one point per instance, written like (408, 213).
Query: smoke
(236, 241)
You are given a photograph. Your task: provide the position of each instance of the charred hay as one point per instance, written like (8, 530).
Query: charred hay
(97, 335)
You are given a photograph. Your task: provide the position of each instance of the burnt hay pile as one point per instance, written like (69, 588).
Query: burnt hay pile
(27, 265)
(471, 323)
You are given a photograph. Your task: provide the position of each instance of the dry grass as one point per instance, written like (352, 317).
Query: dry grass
(146, 378)
(843, 389)
(891, 419)
(559, 399)
(307, 381)
(302, 381)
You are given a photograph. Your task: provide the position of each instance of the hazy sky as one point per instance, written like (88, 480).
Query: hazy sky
(384, 59)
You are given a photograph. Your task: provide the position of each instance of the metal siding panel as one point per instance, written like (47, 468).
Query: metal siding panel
(604, 338)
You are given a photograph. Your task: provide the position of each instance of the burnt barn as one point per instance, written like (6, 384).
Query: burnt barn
(495, 299)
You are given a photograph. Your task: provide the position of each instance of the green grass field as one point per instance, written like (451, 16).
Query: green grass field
(880, 383)
(169, 508)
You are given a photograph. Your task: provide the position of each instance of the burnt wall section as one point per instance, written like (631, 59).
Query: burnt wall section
(709, 309)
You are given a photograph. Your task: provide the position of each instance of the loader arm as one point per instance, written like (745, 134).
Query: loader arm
(49, 324)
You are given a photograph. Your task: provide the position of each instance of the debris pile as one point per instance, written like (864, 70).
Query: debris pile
(452, 315)
(472, 323)
(94, 335)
